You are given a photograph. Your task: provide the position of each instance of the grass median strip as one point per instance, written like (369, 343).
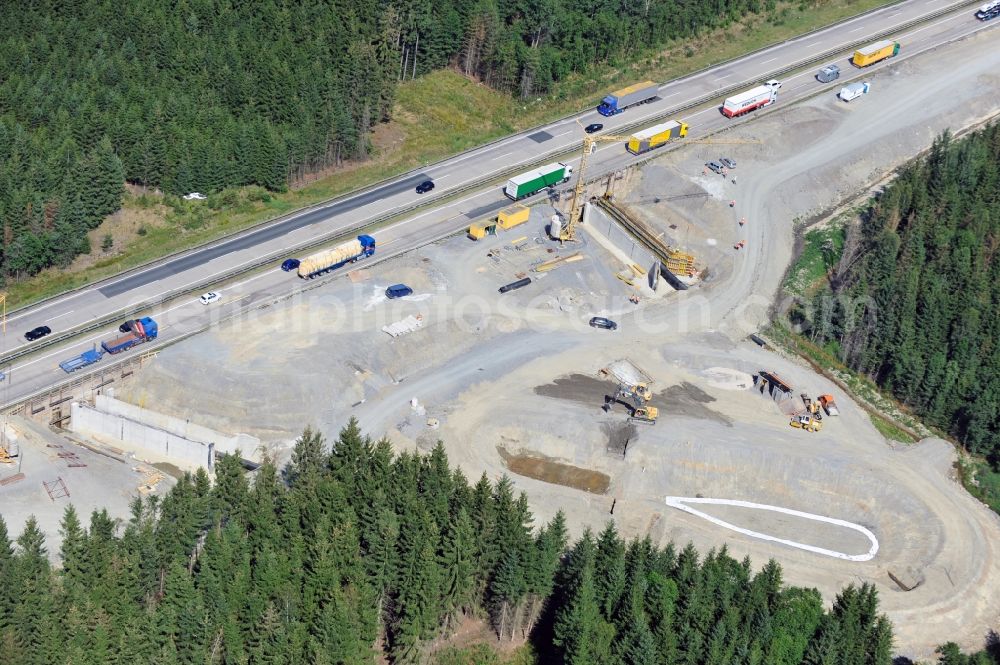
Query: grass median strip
(436, 116)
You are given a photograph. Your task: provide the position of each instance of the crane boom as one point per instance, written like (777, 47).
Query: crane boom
(568, 232)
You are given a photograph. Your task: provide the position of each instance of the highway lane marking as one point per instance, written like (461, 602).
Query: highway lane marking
(724, 77)
(470, 197)
(811, 45)
(39, 308)
(351, 198)
(563, 134)
(857, 29)
(934, 25)
(715, 108)
(159, 313)
(767, 61)
(503, 155)
(62, 315)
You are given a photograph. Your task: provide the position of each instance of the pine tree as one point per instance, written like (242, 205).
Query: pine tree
(609, 570)
(8, 596)
(34, 610)
(577, 622)
(456, 568)
(230, 497)
(72, 553)
(308, 458)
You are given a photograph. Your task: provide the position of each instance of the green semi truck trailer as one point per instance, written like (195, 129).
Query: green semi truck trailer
(528, 183)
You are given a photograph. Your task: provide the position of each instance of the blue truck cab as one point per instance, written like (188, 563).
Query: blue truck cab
(608, 106)
(367, 244)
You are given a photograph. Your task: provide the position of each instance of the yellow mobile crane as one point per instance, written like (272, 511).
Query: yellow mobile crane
(568, 232)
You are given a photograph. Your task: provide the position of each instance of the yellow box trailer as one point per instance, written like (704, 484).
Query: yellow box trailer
(513, 216)
(876, 52)
(656, 136)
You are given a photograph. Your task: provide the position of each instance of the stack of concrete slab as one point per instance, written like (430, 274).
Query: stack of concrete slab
(407, 325)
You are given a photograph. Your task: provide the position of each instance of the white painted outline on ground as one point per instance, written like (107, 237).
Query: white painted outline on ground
(680, 502)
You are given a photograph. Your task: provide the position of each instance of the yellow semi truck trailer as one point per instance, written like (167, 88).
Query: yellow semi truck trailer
(876, 52)
(656, 136)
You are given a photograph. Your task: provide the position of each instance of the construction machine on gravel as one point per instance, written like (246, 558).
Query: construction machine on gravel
(635, 399)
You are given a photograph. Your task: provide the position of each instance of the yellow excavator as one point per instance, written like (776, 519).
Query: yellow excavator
(635, 399)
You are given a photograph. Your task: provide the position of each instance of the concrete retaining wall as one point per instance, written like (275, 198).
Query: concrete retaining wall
(158, 434)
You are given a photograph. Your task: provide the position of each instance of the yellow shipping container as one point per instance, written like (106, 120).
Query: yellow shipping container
(512, 216)
(656, 136)
(873, 53)
(477, 231)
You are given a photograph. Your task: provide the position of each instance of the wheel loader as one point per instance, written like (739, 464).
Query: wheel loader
(806, 421)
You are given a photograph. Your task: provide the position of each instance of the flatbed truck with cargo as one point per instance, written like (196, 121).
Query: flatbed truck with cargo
(330, 259)
(989, 11)
(140, 331)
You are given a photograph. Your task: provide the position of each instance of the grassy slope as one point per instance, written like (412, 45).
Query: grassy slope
(436, 116)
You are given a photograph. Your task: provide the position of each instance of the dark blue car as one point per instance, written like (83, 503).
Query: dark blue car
(398, 291)
(289, 265)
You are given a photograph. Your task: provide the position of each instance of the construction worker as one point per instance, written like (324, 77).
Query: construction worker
(734, 180)
(732, 203)
(743, 220)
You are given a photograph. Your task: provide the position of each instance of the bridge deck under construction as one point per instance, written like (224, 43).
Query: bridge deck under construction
(674, 260)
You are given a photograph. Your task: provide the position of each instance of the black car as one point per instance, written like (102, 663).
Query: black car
(37, 333)
(425, 186)
(596, 127)
(601, 322)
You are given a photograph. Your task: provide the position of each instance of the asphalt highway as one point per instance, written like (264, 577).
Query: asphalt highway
(37, 371)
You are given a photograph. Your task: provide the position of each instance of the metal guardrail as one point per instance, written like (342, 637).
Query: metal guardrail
(496, 176)
(412, 172)
(78, 378)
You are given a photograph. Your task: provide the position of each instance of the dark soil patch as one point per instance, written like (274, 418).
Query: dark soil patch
(684, 399)
(548, 470)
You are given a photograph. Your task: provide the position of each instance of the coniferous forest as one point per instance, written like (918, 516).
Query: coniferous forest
(917, 304)
(346, 555)
(199, 95)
